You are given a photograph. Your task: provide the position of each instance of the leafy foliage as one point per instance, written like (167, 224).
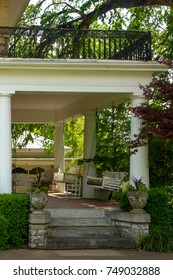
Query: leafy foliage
(159, 239)
(4, 236)
(112, 138)
(15, 208)
(113, 14)
(124, 202)
(157, 112)
(160, 162)
(157, 125)
(158, 207)
(39, 185)
(138, 183)
(73, 136)
(81, 14)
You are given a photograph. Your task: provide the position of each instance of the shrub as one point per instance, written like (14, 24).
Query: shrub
(160, 239)
(124, 202)
(15, 208)
(4, 229)
(158, 206)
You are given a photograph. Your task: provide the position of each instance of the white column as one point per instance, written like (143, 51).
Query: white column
(59, 151)
(5, 144)
(59, 147)
(139, 166)
(89, 168)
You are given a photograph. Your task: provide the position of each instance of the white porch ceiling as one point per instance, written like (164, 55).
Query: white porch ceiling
(57, 90)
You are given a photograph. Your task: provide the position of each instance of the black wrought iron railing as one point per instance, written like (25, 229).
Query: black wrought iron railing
(77, 44)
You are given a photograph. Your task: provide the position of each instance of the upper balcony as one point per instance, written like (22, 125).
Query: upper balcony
(47, 43)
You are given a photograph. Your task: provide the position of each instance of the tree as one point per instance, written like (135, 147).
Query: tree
(81, 14)
(157, 112)
(156, 115)
(73, 136)
(151, 15)
(113, 138)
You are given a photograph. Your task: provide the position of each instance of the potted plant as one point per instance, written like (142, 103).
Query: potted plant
(137, 195)
(39, 193)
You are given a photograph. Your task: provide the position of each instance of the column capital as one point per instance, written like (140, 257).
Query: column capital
(60, 123)
(90, 113)
(137, 96)
(6, 93)
(137, 100)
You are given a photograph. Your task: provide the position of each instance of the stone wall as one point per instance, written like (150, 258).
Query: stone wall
(131, 225)
(39, 229)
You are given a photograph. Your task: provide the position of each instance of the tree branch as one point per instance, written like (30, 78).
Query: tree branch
(113, 4)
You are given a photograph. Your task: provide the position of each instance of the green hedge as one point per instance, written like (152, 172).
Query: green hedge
(4, 235)
(15, 208)
(158, 207)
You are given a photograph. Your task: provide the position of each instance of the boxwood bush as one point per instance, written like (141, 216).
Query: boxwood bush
(15, 208)
(4, 229)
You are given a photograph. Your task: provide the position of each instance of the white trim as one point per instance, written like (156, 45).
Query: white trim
(81, 64)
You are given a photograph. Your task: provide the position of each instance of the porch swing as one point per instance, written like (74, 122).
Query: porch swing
(111, 180)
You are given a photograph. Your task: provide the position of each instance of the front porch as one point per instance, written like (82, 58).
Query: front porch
(52, 76)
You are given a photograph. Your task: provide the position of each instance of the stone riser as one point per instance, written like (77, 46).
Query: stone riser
(77, 213)
(79, 231)
(80, 222)
(89, 243)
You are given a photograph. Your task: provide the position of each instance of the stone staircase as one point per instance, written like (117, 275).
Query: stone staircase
(84, 229)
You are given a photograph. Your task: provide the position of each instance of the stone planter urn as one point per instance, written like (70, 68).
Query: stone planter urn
(38, 201)
(137, 201)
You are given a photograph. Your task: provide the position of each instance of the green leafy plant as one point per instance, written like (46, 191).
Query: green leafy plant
(158, 206)
(124, 202)
(39, 184)
(159, 239)
(138, 185)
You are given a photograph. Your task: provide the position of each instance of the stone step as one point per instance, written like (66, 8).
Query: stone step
(89, 242)
(78, 231)
(84, 229)
(80, 222)
(77, 213)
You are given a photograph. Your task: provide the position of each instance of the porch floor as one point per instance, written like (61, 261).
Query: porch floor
(61, 200)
